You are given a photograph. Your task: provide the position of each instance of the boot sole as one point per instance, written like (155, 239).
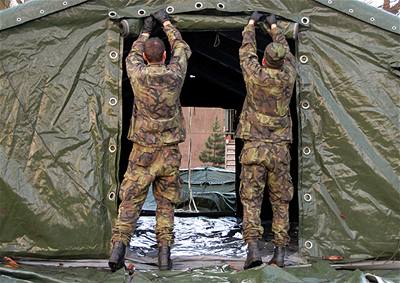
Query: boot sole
(114, 266)
(254, 264)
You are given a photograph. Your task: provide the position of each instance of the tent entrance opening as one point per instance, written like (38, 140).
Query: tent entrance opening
(214, 80)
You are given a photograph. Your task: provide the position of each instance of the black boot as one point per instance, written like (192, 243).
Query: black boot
(164, 258)
(253, 255)
(278, 257)
(117, 258)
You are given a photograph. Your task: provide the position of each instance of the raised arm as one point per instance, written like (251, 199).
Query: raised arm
(135, 61)
(248, 51)
(277, 36)
(179, 48)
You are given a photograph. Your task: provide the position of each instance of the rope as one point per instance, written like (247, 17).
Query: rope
(191, 199)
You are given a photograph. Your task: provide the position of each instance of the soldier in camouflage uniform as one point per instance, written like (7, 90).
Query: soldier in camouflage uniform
(266, 128)
(157, 127)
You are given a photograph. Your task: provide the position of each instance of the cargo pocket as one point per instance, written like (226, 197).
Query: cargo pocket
(142, 157)
(249, 155)
(172, 156)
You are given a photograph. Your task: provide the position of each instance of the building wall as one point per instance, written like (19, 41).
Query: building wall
(202, 121)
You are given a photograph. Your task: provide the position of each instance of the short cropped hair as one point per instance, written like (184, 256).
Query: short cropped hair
(154, 49)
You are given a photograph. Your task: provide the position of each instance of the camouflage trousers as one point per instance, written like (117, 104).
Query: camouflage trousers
(261, 163)
(147, 165)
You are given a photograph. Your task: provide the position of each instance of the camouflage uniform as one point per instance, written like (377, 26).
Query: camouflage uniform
(266, 128)
(157, 126)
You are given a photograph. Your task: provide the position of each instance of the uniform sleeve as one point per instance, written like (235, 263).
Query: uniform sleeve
(135, 61)
(180, 51)
(248, 51)
(277, 36)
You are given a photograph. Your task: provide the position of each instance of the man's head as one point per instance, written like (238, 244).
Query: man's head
(274, 55)
(154, 50)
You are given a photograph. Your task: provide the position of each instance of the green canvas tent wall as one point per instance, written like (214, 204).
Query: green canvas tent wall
(61, 72)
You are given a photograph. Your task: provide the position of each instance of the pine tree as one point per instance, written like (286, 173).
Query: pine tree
(214, 152)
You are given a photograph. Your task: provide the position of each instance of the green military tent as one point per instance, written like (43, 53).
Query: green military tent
(63, 123)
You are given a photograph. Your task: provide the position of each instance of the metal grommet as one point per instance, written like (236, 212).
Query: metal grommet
(330, 1)
(65, 3)
(306, 150)
(113, 55)
(113, 101)
(307, 197)
(170, 9)
(19, 19)
(372, 19)
(303, 59)
(221, 5)
(305, 104)
(305, 20)
(112, 148)
(41, 12)
(394, 27)
(308, 245)
(111, 196)
(112, 14)
(351, 10)
(141, 12)
(198, 5)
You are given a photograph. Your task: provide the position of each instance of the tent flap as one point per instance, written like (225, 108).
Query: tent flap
(33, 10)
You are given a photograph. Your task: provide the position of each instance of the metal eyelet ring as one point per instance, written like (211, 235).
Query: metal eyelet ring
(330, 1)
(112, 148)
(351, 10)
(41, 12)
(394, 27)
(307, 197)
(306, 150)
(19, 19)
(113, 101)
(303, 59)
(65, 3)
(170, 9)
(308, 245)
(198, 5)
(111, 196)
(221, 6)
(372, 19)
(112, 14)
(305, 104)
(141, 12)
(305, 21)
(113, 55)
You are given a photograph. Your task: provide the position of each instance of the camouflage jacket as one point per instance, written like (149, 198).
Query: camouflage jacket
(265, 115)
(157, 117)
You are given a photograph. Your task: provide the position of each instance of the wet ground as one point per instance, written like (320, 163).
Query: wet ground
(205, 250)
(203, 241)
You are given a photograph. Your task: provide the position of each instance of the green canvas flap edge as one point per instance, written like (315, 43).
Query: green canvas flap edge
(365, 13)
(33, 10)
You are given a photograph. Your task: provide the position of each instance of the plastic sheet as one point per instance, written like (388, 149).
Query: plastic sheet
(195, 236)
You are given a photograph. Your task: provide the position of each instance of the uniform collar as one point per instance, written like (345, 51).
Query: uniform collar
(155, 64)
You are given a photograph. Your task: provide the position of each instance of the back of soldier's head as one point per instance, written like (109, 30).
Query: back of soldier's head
(154, 49)
(274, 54)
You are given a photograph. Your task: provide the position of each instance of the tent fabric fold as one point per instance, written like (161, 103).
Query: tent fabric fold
(61, 119)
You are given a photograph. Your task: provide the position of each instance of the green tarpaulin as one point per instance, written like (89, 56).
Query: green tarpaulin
(318, 272)
(61, 121)
(213, 191)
